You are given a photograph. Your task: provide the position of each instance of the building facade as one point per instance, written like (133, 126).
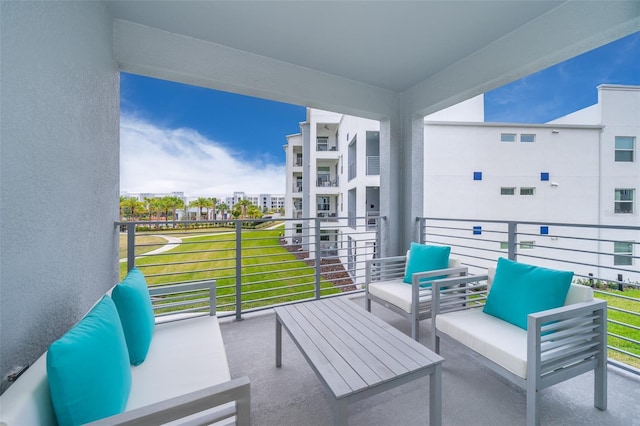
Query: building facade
(580, 169)
(333, 173)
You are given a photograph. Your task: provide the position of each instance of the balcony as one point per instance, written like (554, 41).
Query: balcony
(235, 253)
(326, 182)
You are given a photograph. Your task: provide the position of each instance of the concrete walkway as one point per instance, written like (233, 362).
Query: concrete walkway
(172, 242)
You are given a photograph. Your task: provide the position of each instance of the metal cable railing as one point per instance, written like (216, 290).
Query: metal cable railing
(587, 250)
(257, 263)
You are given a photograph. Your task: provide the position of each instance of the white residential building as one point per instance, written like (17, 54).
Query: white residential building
(263, 201)
(581, 169)
(333, 173)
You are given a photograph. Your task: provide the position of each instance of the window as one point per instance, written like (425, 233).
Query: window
(624, 148)
(623, 250)
(324, 174)
(527, 137)
(623, 200)
(298, 228)
(504, 245)
(507, 137)
(527, 191)
(324, 204)
(527, 245)
(507, 190)
(322, 144)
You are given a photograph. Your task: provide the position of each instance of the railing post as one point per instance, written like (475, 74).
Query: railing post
(511, 231)
(131, 246)
(318, 258)
(238, 270)
(422, 238)
(376, 252)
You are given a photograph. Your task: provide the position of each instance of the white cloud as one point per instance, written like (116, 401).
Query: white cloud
(155, 159)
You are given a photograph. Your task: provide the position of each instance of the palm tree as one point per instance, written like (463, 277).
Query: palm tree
(214, 201)
(133, 206)
(223, 207)
(201, 203)
(254, 212)
(244, 205)
(172, 203)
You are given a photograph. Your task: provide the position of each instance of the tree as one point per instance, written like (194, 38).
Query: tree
(244, 204)
(214, 201)
(173, 203)
(131, 207)
(223, 207)
(201, 203)
(253, 212)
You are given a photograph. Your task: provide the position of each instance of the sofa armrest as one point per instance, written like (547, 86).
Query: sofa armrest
(566, 337)
(383, 269)
(458, 293)
(195, 403)
(421, 278)
(184, 297)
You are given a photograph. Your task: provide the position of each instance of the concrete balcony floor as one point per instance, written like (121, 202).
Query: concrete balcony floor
(472, 394)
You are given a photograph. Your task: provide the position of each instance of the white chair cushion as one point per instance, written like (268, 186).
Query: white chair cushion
(184, 356)
(397, 293)
(495, 339)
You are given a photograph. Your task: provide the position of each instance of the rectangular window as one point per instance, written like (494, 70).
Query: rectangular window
(623, 200)
(527, 191)
(507, 190)
(507, 137)
(504, 245)
(623, 250)
(527, 245)
(625, 146)
(527, 137)
(322, 144)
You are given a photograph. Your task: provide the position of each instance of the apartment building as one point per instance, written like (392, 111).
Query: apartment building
(263, 201)
(581, 169)
(333, 173)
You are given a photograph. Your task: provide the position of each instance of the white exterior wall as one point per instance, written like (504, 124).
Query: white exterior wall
(59, 171)
(579, 157)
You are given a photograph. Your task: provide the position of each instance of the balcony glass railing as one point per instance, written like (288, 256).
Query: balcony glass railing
(327, 182)
(587, 250)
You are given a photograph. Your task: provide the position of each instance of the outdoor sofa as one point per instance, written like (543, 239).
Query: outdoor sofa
(181, 373)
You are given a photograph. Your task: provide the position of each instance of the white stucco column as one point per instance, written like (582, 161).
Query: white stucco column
(401, 181)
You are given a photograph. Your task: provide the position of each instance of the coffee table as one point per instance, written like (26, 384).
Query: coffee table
(355, 354)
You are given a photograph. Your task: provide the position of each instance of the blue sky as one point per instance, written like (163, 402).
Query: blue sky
(176, 137)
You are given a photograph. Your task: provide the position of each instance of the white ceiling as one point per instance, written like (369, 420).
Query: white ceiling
(419, 49)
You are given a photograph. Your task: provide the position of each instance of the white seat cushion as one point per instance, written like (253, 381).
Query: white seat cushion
(397, 293)
(495, 339)
(184, 356)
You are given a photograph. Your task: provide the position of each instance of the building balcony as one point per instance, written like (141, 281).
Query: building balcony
(373, 165)
(316, 268)
(327, 182)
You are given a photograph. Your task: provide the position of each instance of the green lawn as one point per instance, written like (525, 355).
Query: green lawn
(628, 305)
(263, 273)
(146, 244)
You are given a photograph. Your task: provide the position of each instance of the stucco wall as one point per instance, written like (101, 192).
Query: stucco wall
(59, 170)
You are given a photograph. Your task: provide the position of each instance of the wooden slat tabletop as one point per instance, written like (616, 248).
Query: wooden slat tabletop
(350, 349)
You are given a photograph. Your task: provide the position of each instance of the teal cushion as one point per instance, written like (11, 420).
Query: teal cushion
(519, 290)
(423, 258)
(88, 368)
(132, 299)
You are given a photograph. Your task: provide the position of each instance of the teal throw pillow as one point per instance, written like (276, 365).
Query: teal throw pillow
(88, 368)
(423, 258)
(519, 289)
(132, 299)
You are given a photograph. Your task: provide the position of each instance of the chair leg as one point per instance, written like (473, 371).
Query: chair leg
(415, 334)
(367, 303)
(533, 403)
(600, 385)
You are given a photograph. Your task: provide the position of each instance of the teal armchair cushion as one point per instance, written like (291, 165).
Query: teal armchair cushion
(423, 258)
(519, 289)
(132, 299)
(88, 368)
